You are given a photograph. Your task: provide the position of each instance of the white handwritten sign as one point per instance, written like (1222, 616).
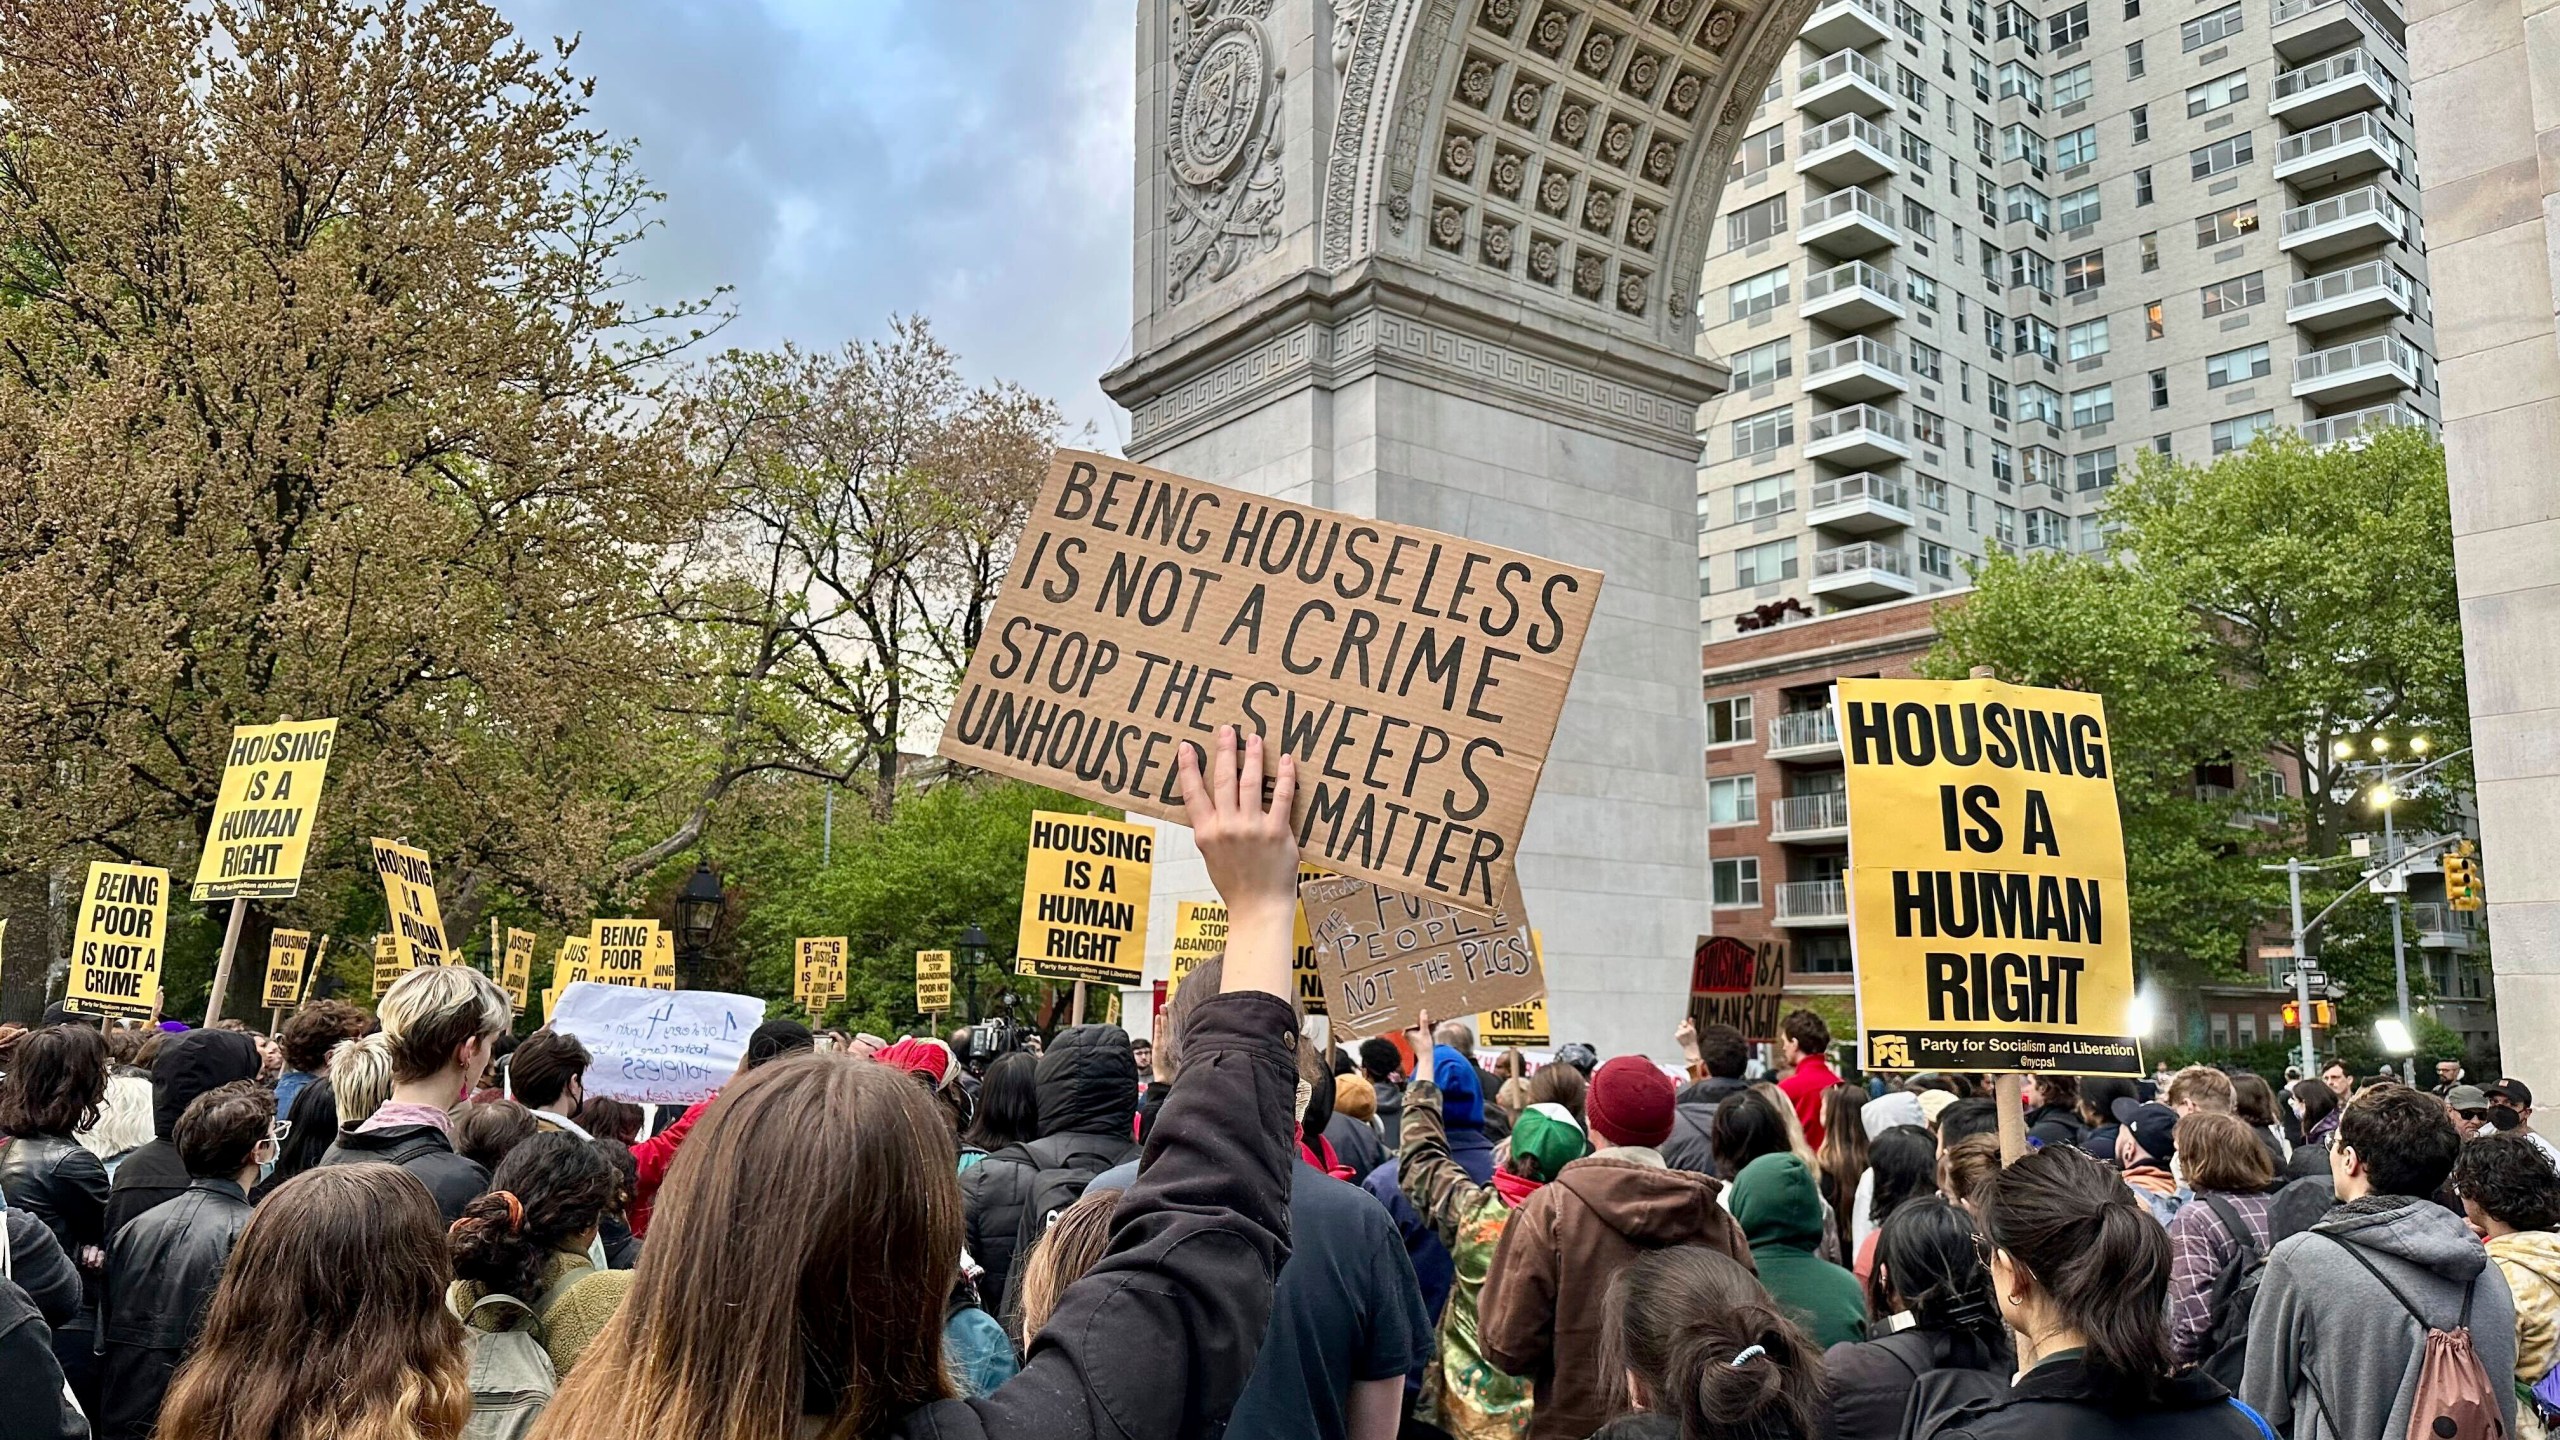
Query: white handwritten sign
(657, 1046)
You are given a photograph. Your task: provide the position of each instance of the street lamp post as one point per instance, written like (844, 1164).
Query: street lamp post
(2391, 780)
(697, 918)
(973, 951)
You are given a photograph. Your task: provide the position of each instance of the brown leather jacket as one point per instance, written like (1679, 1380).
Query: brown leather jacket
(1539, 1315)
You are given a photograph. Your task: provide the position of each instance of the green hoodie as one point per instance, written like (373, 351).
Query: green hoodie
(1775, 1202)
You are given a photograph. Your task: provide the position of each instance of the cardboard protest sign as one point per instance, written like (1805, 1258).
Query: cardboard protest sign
(618, 951)
(1731, 983)
(515, 967)
(117, 950)
(1523, 1025)
(933, 981)
(262, 815)
(1084, 898)
(1416, 676)
(409, 887)
(1986, 879)
(672, 1047)
(288, 953)
(662, 959)
(387, 964)
(1388, 957)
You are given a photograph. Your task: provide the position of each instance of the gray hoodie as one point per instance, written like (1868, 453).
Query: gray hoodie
(2332, 1354)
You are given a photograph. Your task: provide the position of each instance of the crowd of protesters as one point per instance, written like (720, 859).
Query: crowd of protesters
(408, 1224)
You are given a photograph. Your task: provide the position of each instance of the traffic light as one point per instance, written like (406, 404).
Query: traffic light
(2292, 1016)
(2324, 1015)
(2462, 876)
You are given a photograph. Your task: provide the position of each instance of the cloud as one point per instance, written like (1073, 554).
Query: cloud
(838, 161)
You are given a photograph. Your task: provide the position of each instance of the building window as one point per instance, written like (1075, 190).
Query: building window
(2159, 389)
(2141, 123)
(1823, 955)
(2042, 466)
(2048, 529)
(1763, 364)
(2073, 85)
(1761, 499)
(1919, 219)
(1922, 155)
(2093, 532)
(1733, 800)
(2071, 26)
(2236, 432)
(2221, 155)
(1759, 434)
(1922, 290)
(2080, 207)
(2004, 468)
(2086, 340)
(1932, 492)
(2132, 53)
(2004, 524)
(1705, 520)
(2084, 273)
(1937, 560)
(1929, 428)
(1912, 87)
(1927, 361)
(1996, 396)
(1761, 293)
(1729, 721)
(1764, 564)
(1738, 881)
(1706, 584)
(2017, 82)
(2093, 469)
(2233, 366)
(2035, 336)
(2078, 148)
(1758, 151)
(2208, 29)
(2028, 205)
(2093, 406)
(2029, 269)
(1754, 223)
(2213, 94)
(2238, 293)
(1992, 332)
(2142, 186)
(2017, 142)
(2147, 244)
(2224, 226)
(2160, 443)
(2019, 23)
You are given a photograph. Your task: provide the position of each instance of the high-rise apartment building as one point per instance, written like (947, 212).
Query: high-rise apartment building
(1976, 256)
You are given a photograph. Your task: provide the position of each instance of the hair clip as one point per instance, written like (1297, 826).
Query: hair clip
(1753, 1353)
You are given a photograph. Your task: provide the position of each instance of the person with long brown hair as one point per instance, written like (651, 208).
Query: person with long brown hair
(330, 1322)
(1696, 1350)
(57, 1081)
(809, 1237)
(1839, 1162)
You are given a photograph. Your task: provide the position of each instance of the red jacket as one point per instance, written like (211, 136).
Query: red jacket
(1804, 1086)
(656, 1154)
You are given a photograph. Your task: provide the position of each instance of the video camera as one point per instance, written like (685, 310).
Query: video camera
(991, 1038)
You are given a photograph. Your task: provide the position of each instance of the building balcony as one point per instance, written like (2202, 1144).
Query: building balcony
(1848, 25)
(2331, 88)
(1860, 504)
(1804, 735)
(2356, 220)
(1852, 296)
(1857, 435)
(1843, 84)
(1847, 222)
(1813, 902)
(1809, 819)
(2439, 925)
(2345, 429)
(2307, 29)
(1855, 369)
(1848, 151)
(2374, 290)
(2339, 150)
(2378, 366)
(1868, 570)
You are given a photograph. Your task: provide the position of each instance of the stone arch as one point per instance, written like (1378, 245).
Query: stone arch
(1565, 151)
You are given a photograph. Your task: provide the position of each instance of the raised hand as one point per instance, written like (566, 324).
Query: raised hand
(1251, 855)
(1687, 1035)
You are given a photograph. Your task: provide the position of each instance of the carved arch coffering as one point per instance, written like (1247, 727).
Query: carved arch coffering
(1576, 148)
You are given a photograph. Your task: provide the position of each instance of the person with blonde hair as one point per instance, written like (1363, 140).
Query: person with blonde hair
(359, 1078)
(1076, 1239)
(441, 1024)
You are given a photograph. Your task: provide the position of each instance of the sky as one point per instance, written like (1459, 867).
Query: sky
(841, 161)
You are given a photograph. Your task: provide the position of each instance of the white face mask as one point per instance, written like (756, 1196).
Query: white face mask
(595, 1252)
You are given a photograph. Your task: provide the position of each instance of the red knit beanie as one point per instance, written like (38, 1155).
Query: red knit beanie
(1630, 1103)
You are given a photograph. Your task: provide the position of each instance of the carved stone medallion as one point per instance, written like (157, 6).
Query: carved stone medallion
(1217, 102)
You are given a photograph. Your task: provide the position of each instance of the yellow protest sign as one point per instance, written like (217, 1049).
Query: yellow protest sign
(515, 967)
(117, 950)
(1199, 936)
(1084, 899)
(817, 970)
(618, 951)
(262, 815)
(933, 981)
(387, 966)
(662, 958)
(1524, 1024)
(409, 887)
(288, 952)
(1986, 879)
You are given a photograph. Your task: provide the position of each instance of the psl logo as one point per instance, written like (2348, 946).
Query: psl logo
(1889, 1052)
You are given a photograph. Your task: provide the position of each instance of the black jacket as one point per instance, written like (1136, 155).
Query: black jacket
(53, 1179)
(32, 1406)
(2066, 1400)
(1355, 1143)
(2055, 1125)
(1693, 1123)
(422, 1150)
(1195, 1247)
(188, 1066)
(1870, 1382)
(160, 1277)
(41, 1269)
(1087, 1084)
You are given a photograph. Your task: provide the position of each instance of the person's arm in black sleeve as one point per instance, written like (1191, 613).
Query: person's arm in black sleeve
(31, 1389)
(42, 1270)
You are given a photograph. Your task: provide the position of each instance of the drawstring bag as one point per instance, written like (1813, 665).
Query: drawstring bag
(2454, 1399)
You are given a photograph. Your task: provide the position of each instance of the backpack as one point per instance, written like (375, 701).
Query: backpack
(2233, 1294)
(2454, 1399)
(1058, 1179)
(511, 1374)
